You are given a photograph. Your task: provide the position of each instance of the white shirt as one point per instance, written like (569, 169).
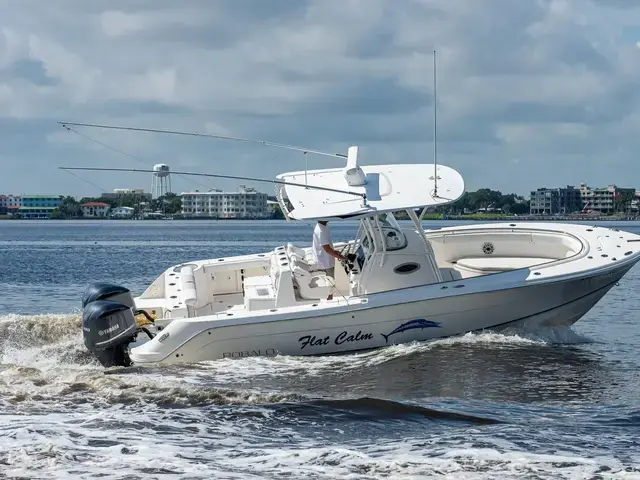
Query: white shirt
(322, 236)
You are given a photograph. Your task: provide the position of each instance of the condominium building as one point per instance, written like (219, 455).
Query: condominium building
(566, 200)
(604, 199)
(39, 206)
(246, 203)
(137, 193)
(551, 201)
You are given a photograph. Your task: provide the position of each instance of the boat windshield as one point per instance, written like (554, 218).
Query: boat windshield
(384, 227)
(365, 249)
(393, 237)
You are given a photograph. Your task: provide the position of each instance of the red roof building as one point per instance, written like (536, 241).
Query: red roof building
(95, 209)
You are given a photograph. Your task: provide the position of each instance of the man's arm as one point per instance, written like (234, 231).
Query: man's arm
(333, 252)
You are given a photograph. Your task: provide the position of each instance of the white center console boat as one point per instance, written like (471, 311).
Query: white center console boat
(399, 285)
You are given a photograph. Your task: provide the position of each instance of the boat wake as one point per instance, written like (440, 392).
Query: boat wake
(281, 416)
(47, 339)
(43, 356)
(45, 363)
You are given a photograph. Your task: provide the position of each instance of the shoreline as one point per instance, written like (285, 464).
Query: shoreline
(427, 218)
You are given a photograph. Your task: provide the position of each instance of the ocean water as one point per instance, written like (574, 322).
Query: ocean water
(550, 404)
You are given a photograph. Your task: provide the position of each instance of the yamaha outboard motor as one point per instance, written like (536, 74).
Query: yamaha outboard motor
(107, 291)
(109, 323)
(108, 328)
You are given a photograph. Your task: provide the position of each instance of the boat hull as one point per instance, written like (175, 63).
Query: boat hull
(561, 302)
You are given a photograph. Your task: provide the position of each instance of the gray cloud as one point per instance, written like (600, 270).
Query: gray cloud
(530, 93)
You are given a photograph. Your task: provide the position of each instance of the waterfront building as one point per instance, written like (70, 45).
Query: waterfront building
(39, 206)
(137, 193)
(555, 201)
(122, 212)
(605, 199)
(95, 209)
(246, 203)
(9, 204)
(635, 203)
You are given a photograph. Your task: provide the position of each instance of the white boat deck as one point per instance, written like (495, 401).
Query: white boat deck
(594, 249)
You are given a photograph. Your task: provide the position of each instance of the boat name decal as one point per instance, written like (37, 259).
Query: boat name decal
(411, 325)
(342, 337)
(268, 352)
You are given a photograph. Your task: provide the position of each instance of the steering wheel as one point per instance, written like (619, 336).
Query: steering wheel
(348, 264)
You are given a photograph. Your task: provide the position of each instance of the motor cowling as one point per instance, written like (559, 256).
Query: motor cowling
(108, 327)
(107, 291)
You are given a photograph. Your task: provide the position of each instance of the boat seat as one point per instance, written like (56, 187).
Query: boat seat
(298, 253)
(311, 285)
(500, 264)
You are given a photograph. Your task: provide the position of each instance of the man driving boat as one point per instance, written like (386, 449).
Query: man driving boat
(324, 252)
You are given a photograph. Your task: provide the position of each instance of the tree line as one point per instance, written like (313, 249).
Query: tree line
(169, 204)
(485, 198)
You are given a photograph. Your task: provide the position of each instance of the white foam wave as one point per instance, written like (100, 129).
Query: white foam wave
(548, 334)
(43, 361)
(30, 330)
(242, 451)
(418, 459)
(43, 357)
(21, 336)
(318, 366)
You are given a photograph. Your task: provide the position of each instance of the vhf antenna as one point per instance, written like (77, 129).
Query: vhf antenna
(435, 130)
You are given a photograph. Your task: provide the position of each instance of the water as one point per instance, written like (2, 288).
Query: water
(554, 404)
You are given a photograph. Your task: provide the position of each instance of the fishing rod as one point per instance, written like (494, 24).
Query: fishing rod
(233, 177)
(206, 135)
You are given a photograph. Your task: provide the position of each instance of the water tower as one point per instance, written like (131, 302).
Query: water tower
(161, 181)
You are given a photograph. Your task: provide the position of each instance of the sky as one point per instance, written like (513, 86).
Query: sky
(529, 93)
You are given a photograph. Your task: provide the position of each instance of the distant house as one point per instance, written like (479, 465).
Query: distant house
(95, 209)
(122, 212)
(9, 204)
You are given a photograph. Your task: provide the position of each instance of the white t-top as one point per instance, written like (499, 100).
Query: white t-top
(322, 236)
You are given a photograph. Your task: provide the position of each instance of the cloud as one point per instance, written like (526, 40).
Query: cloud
(529, 93)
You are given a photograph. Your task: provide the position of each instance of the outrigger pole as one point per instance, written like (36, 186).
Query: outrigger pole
(206, 135)
(233, 177)
(221, 137)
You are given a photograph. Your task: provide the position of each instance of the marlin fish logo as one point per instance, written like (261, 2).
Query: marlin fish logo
(411, 325)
